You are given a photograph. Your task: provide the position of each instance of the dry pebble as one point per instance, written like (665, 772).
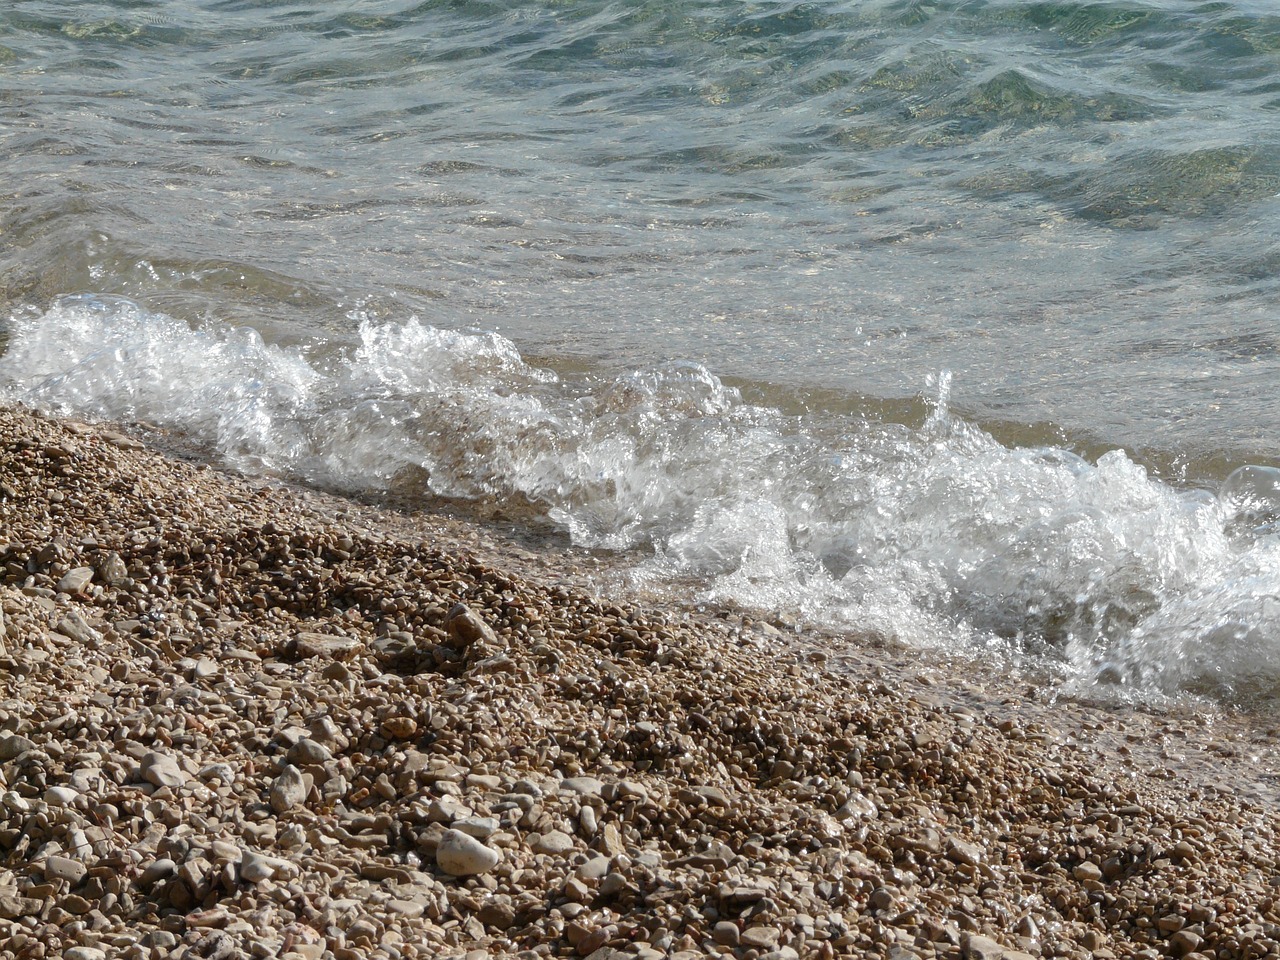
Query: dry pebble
(240, 719)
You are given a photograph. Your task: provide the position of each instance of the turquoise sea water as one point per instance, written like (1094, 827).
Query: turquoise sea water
(950, 319)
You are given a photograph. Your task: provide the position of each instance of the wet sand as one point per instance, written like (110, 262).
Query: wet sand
(244, 719)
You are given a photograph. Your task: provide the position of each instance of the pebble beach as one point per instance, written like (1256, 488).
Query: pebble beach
(245, 719)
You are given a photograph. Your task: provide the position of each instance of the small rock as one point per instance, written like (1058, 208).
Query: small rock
(466, 628)
(218, 771)
(112, 569)
(1087, 871)
(323, 646)
(288, 790)
(14, 746)
(64, 868)
(74, 627)
(725, 933)
(482, 828)
(60, 796)
(631, 790)
(307, 752)
(463, 856)
(759, 938)
(881, 899)
(593, 868)
(161, 770)
(587, 786)
(256, 867)
(1170, 923)
(966, 853)
(75, 580)
(1184, 941)
(610, 840)
(13, 906)
(398, 728)
(157, 870)
(553, 843)
(858, 807)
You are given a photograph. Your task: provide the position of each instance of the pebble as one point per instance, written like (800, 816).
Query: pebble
(289, 790)
(587, 786)
(759, 938)
(14, 746)
(161, 770)
(482, 828)
(308, 752)
(61, 796)
(157, 870)
(463, 856)
(398, 728)
(65, 868)
(465, 628)
(1087, 871)
(726, 933)
(75, 580)
(408, 749)
(553, 843)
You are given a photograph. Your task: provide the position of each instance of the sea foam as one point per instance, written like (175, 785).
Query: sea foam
(936, 534)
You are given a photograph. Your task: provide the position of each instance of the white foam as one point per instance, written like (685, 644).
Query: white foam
(937, 535)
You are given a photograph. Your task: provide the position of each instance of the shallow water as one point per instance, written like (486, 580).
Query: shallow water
(945, 319)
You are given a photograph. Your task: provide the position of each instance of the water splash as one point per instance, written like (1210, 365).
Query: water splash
(936, 535)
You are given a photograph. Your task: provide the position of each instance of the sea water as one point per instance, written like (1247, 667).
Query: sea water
(955, 321)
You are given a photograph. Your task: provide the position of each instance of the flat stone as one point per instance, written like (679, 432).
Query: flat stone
(760, 938)
(64, 868)
(84, 953)
(554, 843)
(61, 796)
(482, 828)
(322, 646)
(307, 752)
(75, 627)
(161, 770)
(157, 870)
(75, 580)
(587, 786)
(463, 856)
(14, 746)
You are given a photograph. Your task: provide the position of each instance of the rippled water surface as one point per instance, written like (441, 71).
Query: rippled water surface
(729, 260)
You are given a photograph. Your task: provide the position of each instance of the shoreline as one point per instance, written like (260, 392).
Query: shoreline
(245, 719)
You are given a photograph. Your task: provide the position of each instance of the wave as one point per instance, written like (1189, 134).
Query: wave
(934, 533)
